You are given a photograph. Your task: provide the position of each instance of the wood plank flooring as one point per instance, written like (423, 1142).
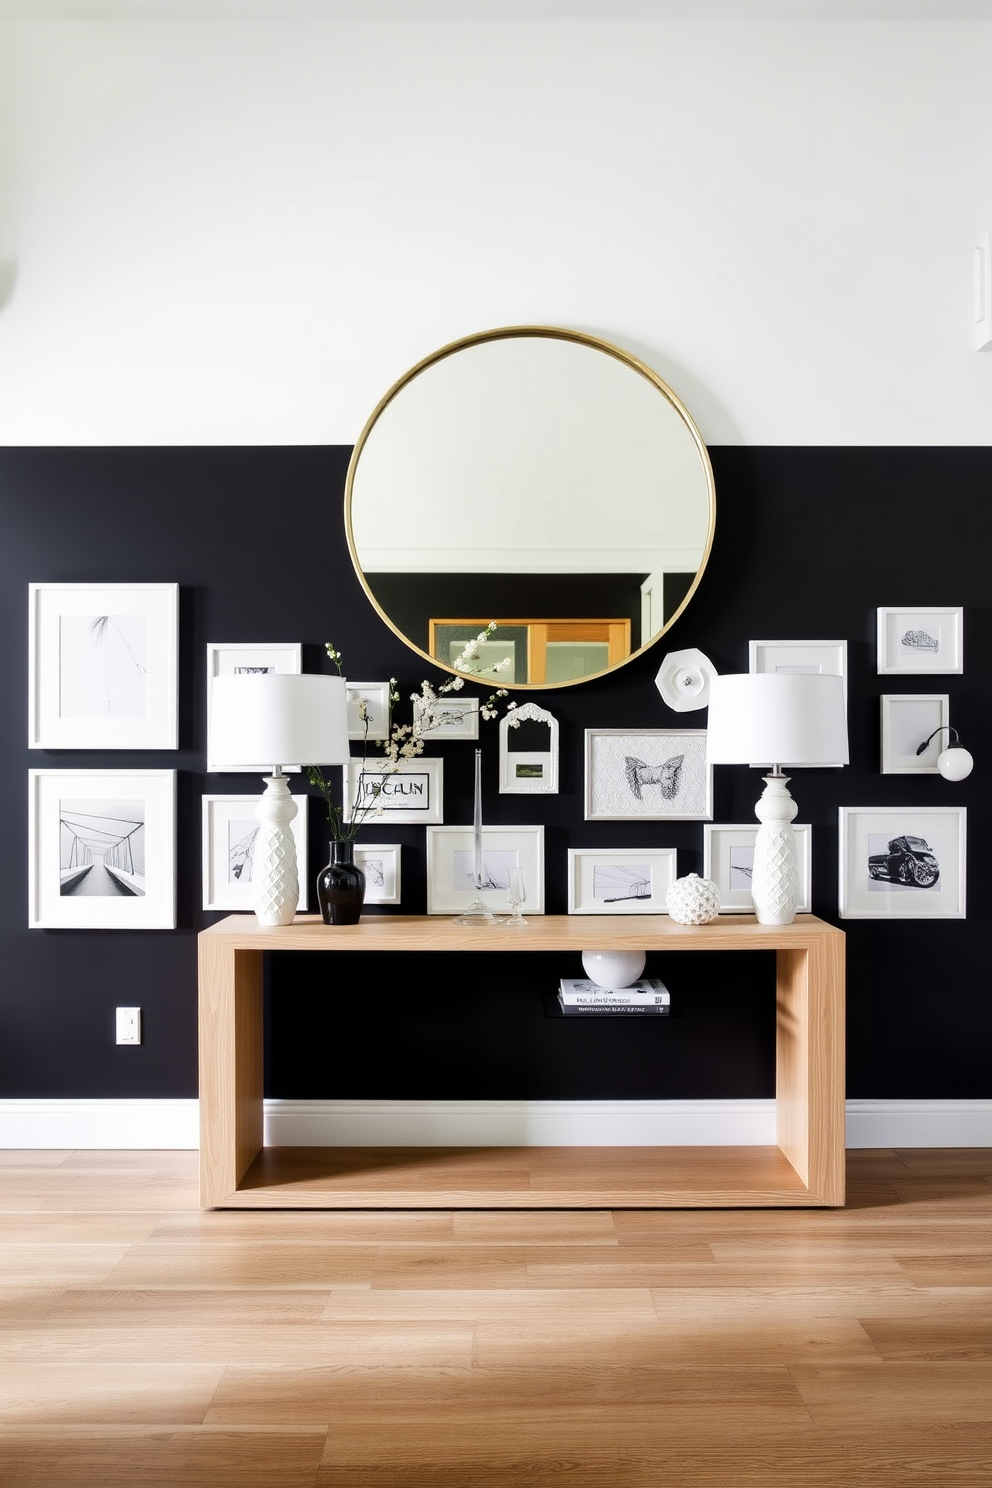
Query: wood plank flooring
(144, 1342)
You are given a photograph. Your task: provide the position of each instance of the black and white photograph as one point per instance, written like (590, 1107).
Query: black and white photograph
(410, 791)
(451, 868)
(102, 670)
(230, 831)
(903, 863)
(528, 751)
(655, 775)
(101, 849)
(450, 717)
(920, 640)
(908, 721)
(368, 710)
(622, 881)
(380, 862)
(728, 860)
(245, 659)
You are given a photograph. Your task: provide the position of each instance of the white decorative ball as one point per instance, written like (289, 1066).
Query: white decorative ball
(613, 969)
(693, 900)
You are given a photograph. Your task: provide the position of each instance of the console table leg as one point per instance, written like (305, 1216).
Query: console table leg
(810, 1066)
(231, 1077)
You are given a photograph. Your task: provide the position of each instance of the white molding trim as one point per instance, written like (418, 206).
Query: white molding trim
(169, 1125)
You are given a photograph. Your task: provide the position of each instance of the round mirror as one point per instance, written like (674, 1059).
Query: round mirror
(539, 478)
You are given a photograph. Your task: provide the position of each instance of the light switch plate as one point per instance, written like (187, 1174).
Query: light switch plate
(129, 1025)
(983, 292)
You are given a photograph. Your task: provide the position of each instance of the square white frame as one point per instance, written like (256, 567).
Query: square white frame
(828, 658)
(218, 890)
(943, 828)
(48, 908)
(223, 658)
(425, 774)
(615, 800)
(376, 698)
(159, 727)
(935, 708)
(720, 837)
(443, 897)
(583, 862)
(946, 625)
(391, 855)
(462, 721)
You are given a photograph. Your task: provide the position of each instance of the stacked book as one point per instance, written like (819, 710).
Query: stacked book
(648, 996)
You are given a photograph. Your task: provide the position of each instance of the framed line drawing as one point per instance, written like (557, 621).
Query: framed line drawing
(453, 717)
(926, 639)
(450, 866)
(649, 775)
(375, 696)
(907, 720)
(408, 792)
(728, 857)
(380, 862)
(902, 863)
(228, 658)
(230, 827)
(102, 849)
(619, 881)
(103, 666)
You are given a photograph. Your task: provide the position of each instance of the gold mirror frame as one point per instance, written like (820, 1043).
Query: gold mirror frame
(580, 338)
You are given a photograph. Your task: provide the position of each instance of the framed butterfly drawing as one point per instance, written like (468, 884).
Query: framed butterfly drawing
(650, 775)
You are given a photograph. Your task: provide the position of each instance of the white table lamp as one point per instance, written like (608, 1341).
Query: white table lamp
(274, 717)
(775, 719)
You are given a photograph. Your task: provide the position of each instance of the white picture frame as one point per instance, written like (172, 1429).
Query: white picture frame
(115, 831)
(826, 658)
(889, 888)
(728, 853)
(229, 825)
(455, 717)
(409, 792)
(528, 771)
(381, 863)
(928, 638)
(907, 719)
(450, 857)
(375, 696)
(647, 775)
(227, 658)
(103, 666)
(620, 881)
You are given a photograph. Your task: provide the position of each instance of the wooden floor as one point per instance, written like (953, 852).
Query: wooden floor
(145, 1342)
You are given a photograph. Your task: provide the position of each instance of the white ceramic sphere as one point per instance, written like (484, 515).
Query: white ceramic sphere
(613, 969)
(693, 900)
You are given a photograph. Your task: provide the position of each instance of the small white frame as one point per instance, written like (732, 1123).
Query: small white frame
(907, 719)
(528, 771)
(937, 644)
(222, 889)
(389, 856)
(375, 696)
(651, 871)
(866, 832)
(103, 666)
(450, 858)
(458, 717)
(411, 791)
(618, 766)
(826, 658)
(724, 841)
(142, 891)
(225, 659)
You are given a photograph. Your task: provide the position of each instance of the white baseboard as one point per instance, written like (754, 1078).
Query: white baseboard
(172, 1124)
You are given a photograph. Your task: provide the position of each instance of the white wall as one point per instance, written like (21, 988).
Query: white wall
(233, 231)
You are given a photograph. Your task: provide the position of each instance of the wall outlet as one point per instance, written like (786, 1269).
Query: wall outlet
(129, 1025)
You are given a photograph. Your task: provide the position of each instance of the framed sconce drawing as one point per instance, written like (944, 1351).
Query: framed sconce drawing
(450, 717)
(230, 828)
(728, 858)
(528, 751)
(374, 696)
(103, 666)
(654, 775)
(902, 863)
(619, 881)
(410, 791)
(907, 720)
(451, 861)
(102, 849)
(928, 639)
(228, 658)
(380, 862)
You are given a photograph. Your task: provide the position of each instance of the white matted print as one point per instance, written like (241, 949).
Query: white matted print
(103, 666)
(370, 699)
(908, 720)
(530, 768)
(728, 859)
(410, 791)
(904, 863)
(230, 830)
(102, 849)
(651, 775)
(925, 639)
(380, 862)
(449, 718)
(451, 866)
(622, 881)
(235, 658)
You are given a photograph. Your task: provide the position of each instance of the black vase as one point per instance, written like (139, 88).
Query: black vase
(341, 887)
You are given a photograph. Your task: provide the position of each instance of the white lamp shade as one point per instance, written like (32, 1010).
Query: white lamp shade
(277, 719)
(777, 718)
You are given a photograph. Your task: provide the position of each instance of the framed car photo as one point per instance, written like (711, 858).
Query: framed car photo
(904, 863)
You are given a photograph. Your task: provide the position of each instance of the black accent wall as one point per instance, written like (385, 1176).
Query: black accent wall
(808, 543)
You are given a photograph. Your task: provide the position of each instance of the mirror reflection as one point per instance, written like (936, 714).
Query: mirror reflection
(540, 478)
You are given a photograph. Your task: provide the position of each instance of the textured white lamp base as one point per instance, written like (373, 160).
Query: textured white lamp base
(274, 873)
(775, 874)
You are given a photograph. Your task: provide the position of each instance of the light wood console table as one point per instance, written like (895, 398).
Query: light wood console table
(806, 1167)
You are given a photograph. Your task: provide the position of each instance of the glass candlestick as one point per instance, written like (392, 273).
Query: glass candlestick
(478, 912)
